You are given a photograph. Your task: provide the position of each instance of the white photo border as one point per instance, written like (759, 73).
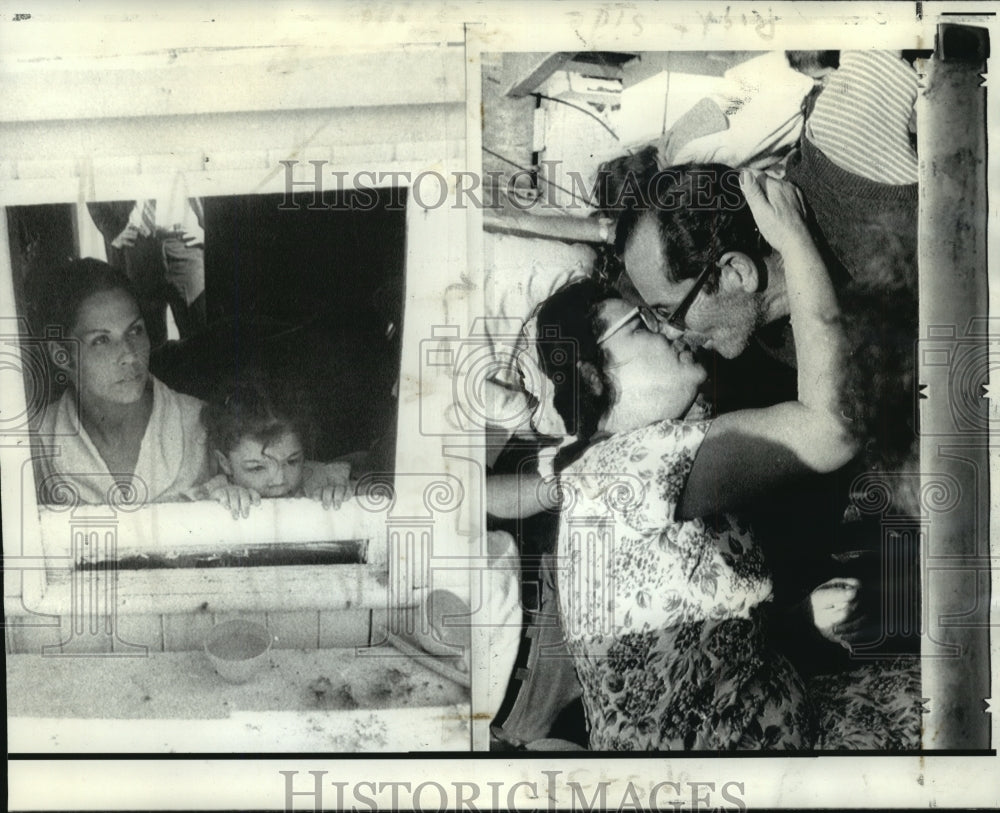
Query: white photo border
(801, 783)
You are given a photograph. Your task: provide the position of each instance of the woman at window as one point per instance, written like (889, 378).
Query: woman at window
(117, 434)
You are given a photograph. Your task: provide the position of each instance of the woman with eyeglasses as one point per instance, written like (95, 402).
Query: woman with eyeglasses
(660, 593)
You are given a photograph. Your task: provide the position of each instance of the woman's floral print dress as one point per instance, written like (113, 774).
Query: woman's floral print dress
(663, 617)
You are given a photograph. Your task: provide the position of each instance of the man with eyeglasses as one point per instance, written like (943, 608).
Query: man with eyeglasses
(706, 276)
(689, 245)
(695, 265)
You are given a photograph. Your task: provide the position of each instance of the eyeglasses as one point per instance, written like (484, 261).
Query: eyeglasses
(645, 314)
(676, 320)
(657, 319)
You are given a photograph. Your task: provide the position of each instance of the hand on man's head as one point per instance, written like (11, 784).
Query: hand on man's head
(777, 207)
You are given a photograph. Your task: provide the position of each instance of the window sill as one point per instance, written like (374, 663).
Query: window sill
(205, 525)
(252, 589)
(104, 533)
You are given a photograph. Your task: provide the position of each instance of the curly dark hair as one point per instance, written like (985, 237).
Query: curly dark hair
(701, 214)
(261, 407)
(623, 180)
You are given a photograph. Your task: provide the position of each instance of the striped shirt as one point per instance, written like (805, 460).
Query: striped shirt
(861, 119)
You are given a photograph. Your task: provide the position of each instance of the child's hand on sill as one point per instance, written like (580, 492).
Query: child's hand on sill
(328, 483)
(333, 496)
(236, 499)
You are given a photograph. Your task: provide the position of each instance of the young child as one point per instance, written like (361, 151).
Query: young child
(259, 443)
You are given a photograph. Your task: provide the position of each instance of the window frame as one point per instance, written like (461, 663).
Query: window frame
(403, 529)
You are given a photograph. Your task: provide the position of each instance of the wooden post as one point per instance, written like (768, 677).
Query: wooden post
(953, 370)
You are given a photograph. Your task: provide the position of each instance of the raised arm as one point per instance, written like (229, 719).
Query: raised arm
(750, 452)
